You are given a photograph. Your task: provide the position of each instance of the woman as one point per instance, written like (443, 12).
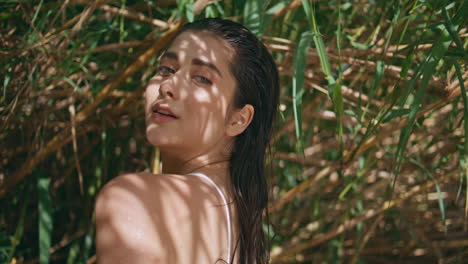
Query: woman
(209, 110)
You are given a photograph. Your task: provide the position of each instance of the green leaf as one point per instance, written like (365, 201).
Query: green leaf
(16, 238)
(298, 80)
(45, 219)
(338, 107)
(440, 199)
(350, 113)
(308, 12)
(37, 12)
(379, 71)
(359, 46)
(465, 123)
(324, 62)
(452, 29)
(88, 243)
(334, 88)
(461, 14)
(343, 193)
(73, 252)
(5, 16)
(276, 7)
(190, 12)
(428, 68)
(254, 16)
(395, 113)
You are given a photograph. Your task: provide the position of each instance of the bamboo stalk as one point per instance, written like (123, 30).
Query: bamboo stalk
(63, 137)
(386, 132)
(347, 225)
(366, 238)
(134, 15)
(53, 145)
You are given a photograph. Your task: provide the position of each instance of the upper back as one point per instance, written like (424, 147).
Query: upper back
(161, 218)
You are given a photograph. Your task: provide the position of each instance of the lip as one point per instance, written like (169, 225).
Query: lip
(160, 118)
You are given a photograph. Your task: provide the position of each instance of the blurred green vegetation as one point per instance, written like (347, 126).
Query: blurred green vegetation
(370, 151)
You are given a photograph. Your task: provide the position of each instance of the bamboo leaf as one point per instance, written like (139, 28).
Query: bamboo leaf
(45, 219)
(440, 199)
(276, 7)
(308, 12)
(37, 12)
(427, 69)
(254, 16)
(73, 252)
(338, 105)
(15, 240)
(465, 123)
(298, 80)
(88, 244)
(6, 80)
(334, 88)
(451, 28)
(395, 113)
(324, 62)
(379, 72)
(190, 12)
(461, 14)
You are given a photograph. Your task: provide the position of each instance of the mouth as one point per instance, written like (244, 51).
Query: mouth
(162, 113)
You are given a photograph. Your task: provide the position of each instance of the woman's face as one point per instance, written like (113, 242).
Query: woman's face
(187, 101)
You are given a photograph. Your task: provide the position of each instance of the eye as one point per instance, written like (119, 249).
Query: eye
(165, 71)
(202, 79)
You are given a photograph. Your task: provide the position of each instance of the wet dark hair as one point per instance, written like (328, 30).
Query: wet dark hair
(257, 84)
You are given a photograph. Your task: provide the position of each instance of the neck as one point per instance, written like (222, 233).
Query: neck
(217, 169)
(202, 164)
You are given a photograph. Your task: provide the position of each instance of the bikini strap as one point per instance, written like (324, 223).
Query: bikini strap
(228, 214)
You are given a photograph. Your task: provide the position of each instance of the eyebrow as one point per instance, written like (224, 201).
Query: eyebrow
(173, 56)
(169, 55)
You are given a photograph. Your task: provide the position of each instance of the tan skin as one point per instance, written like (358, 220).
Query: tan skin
(174, 217)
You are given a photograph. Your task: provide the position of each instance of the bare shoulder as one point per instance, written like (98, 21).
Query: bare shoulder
(157, 191)
(142, 218)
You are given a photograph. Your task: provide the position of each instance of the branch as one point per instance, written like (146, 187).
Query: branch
(64, 136)
(134, 15)
(347, 225)
(348, 156)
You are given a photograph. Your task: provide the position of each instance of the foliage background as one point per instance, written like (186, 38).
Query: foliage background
(369, 151)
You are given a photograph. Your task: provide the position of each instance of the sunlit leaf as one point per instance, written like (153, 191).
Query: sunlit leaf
(45, 219)
(298, 80)
(427, 69)
(254, 16)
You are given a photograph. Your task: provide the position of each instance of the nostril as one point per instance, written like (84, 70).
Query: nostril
(166, 90)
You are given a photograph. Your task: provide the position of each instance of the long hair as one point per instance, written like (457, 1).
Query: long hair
(256, 84)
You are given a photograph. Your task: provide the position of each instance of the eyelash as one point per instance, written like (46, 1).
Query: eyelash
(202, 79)
(165, 71)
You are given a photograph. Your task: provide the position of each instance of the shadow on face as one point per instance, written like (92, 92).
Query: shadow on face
(195, 85)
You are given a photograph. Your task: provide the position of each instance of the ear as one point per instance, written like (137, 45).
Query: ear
(240, 120)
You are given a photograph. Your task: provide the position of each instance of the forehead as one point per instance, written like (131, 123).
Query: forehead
(203, 45)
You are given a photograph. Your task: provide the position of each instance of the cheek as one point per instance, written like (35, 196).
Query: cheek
(211, 103)
(202, 96)
(151, 93)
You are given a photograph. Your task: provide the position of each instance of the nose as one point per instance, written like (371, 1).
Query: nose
(166, 90)
(168, 87)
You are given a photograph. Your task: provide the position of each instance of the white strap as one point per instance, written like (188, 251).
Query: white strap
(228, 214)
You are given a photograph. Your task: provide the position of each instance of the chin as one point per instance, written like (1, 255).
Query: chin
(159, 139)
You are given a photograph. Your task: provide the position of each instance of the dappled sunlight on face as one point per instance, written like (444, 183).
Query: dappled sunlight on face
(195, 84)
